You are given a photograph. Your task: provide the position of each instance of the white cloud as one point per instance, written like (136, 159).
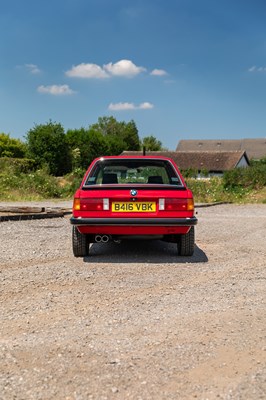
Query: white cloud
(121, 106)
(33, 68)
(158, 72)
(124, 68)
(146, 106)
(87, 71)
(254, 68)
(129, 106)
(55, 90)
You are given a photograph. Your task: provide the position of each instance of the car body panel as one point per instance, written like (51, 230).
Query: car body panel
(142, 207)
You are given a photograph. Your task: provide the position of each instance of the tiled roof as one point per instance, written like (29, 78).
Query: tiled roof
(215, 161)
(255, 148)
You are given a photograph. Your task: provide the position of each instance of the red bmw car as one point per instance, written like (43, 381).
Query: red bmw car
(133, 197)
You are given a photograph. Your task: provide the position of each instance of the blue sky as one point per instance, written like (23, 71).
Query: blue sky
(181, 69)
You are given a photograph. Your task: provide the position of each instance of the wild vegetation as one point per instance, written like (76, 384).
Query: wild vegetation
(29, 183)
(51, 163)
(238, 185)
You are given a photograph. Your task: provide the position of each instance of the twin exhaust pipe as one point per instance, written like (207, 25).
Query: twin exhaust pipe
(102, 238)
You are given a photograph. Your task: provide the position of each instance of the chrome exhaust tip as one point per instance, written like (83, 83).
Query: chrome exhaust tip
(105, 238)
(102, 238)
(98, 238)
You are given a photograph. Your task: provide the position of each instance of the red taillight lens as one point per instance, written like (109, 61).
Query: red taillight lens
(176, 204)
(94, 204)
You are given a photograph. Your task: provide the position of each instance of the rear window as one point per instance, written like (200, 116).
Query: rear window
(125, 171)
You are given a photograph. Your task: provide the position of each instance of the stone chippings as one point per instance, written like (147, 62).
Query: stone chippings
(133, 320)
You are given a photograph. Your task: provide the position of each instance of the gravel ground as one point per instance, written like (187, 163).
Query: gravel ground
(133, 320)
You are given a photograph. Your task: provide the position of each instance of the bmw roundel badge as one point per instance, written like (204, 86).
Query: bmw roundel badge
(133, 192)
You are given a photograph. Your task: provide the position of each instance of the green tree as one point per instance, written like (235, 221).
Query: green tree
(85, 145)
(11, 147)
(152, 144)
(107, 126)
(98, 145)
(47, 146)
(120, 135)
(130, 136)
(78, 143)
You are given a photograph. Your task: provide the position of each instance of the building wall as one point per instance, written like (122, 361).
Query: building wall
(242, 163)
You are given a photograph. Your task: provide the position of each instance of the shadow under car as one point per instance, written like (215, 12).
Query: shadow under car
(144, 251)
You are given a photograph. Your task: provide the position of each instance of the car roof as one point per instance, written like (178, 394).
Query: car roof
(134, 157)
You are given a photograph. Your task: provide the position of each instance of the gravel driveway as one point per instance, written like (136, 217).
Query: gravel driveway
(133, 320)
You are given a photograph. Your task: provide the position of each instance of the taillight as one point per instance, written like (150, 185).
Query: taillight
(76, 205)
(93, 204)
(190, 204)
(176, 204)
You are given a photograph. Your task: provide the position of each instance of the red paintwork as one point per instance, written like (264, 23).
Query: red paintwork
(144, 194)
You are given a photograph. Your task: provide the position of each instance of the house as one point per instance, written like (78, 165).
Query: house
(255, 148)
(214, 162)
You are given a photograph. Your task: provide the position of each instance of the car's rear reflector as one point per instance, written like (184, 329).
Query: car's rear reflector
(106, 204)
(161, 204)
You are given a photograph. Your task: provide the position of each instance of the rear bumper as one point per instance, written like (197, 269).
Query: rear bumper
(134, 221)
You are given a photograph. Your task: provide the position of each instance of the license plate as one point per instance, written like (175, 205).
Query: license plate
(134, 207)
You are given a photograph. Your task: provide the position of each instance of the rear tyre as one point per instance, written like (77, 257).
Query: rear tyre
(80, 243)
(185, 244)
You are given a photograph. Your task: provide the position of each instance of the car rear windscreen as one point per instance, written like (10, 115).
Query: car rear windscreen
(125, 171)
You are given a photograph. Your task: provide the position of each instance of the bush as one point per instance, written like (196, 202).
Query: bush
(253, 177)
(207, 190)
(213, 190)
(10, 147)
(16, 185)
(71, 182)
(35, 185)
(47, 145)
(189, 173)
(17, 165)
